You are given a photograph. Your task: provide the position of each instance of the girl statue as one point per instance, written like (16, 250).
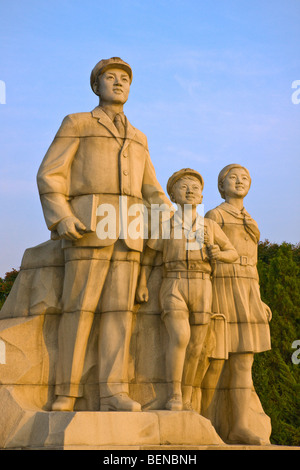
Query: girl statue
(236, 295)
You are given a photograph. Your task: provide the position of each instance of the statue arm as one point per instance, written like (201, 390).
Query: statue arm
(222, 249)
(149, 256)
(151, 189)
(53, 179)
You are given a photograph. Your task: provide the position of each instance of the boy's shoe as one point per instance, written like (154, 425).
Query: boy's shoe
(64, 403)
(174, 403)
(119, 402)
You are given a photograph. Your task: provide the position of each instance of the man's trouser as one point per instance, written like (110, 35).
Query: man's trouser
(102, 280)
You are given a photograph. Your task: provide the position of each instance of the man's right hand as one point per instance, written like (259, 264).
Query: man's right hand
(70, 228)
(142, 294)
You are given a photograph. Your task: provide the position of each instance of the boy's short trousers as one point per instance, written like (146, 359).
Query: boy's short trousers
(183, 297)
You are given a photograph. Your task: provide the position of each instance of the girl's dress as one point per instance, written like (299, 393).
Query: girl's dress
(236, 292)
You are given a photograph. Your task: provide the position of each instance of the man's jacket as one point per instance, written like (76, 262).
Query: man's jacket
(88, 164)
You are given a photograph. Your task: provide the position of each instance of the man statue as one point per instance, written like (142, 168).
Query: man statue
(97, 159)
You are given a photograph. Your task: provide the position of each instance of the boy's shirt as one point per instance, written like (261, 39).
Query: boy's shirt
(183, 247)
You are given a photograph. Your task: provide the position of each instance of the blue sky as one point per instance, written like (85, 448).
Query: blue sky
(212, 85)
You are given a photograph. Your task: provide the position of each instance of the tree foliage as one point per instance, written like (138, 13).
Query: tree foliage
(6, 284)
(275, 375)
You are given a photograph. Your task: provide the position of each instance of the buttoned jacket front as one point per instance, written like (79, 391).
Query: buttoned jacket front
(88, 157)
(184, 249)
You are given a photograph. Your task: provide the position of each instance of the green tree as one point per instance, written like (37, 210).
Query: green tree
(6, 284)
(276, 377)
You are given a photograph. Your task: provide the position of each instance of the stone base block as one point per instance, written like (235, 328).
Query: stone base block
(110, 430)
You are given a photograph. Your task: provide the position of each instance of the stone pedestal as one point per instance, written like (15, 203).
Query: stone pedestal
(107, 430)
(29, 323)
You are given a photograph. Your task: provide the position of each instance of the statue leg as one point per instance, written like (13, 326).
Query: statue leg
(193, 352)
(117, 305)
(240, 394)
(199, 298)
(178, 328)
(84, 279)
(114, 343)
(209, 385)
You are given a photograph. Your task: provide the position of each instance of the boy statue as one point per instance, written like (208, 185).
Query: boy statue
(189, 243)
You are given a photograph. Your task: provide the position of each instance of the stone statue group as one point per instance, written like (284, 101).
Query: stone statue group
(209, 264)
